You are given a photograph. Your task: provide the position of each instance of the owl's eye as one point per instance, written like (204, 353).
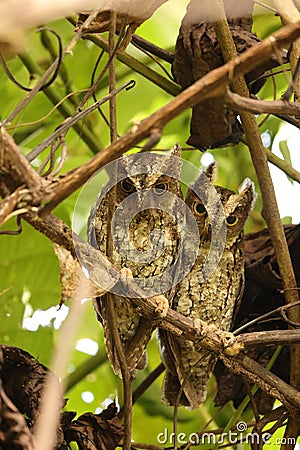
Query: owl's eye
(127, 186)
(199, 209)
(232, 220)
(160, 188)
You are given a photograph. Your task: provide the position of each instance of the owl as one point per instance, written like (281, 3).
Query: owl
(212, 299)
(144, 237)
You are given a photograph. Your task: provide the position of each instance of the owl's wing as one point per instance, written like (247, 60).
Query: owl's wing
(171, 384)
(134, 332)
(186, 369)
(238, 299)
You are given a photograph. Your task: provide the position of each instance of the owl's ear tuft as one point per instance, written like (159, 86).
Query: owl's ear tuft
(176, 150)
(173, 165)
(247, 192)
(211, 171)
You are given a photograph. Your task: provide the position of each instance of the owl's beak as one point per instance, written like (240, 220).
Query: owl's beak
(145, 200)
(141, 199)
(205, 234)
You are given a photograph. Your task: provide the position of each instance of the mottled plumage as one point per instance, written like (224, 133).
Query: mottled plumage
(146, 241)
(212, 301)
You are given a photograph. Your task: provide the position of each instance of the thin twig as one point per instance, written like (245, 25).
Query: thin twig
(92, 82)
(142, 43)
(71, 121)
(139, 391)
(283, 165)
(112, 54)
(112, 77)
(87, 367)
(265, 316)
(50, 70)
(134, 64)
(65, 108)
(261, 106)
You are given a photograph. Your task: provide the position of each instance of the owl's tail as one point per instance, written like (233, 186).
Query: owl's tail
(193, 385)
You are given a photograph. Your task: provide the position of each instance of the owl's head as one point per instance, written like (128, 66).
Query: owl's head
(236, 207)
(146, 172)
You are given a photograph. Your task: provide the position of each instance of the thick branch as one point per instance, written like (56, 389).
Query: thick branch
(211, 339)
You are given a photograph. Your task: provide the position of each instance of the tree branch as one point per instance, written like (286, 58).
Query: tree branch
(270, 338)
(282, 106)
(212, 84)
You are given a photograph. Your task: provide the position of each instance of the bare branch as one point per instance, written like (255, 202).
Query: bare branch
(270, 338)
(261, 106)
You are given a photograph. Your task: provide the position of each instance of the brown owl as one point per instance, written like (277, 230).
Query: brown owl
(211, 298)
(145, 238)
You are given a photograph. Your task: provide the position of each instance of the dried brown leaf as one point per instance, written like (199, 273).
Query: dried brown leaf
(197, 52)
(14, 432)
(75, 285)
(96, 431)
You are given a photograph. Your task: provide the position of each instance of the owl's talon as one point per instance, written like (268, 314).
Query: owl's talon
(230, 345)
(126, 272)
(162, 307)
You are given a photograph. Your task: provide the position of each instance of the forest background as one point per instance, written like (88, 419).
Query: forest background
(29, 270)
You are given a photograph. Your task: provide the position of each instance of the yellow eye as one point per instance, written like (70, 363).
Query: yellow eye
(232, 220)
(199, 209)
(160, 188)
(127, 186)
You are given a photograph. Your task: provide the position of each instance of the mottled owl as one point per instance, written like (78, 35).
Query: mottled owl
(212, 300)
(144, 237)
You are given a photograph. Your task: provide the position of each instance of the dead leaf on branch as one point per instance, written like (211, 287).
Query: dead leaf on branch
(74, 284)
(14, 432)
(22, 380)
(96, 431)
(197, 52)
(262, 294)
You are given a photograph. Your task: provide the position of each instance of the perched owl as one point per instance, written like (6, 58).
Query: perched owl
(212, 300)
(145, 236)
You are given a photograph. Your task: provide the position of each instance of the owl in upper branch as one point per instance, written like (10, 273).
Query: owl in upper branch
(212, 300)
(145, 240)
